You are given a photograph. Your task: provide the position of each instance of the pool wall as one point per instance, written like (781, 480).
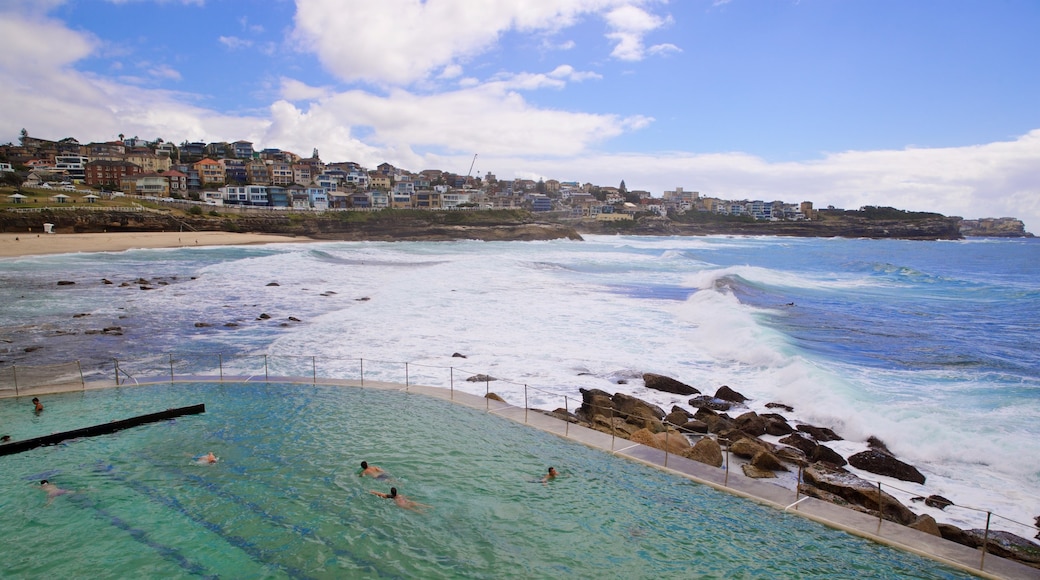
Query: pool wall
(860, 524)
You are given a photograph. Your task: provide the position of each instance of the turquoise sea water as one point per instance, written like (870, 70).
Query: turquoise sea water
(285, 499)
(929, 346)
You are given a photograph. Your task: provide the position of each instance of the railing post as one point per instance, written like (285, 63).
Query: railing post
(362, 361)
(82, 382)
(171, 367)
(14, 370)
(880, 506)
(451, 382)
(265, 367)
(117, 377)
(220, 365)
(314, 370)
(985, 541)
(666, 435)
(566, 423)
(526, 406)
(798, 484)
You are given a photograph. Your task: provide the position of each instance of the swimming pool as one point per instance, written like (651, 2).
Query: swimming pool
(285, 499)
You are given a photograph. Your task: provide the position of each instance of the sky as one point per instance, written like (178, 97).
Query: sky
(923, 105)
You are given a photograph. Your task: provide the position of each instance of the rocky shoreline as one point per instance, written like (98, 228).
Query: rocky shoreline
(707, 432)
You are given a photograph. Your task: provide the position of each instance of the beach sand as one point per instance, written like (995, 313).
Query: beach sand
(31, 244)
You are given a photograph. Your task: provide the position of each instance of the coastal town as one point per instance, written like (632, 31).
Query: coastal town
(236, 174)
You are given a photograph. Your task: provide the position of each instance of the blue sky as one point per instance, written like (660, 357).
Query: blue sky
(917, 104)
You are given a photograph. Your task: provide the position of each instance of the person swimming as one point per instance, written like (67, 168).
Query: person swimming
(401, 500)
(550, 475)
(372, 471)
(206, 458)
(38, 404)
(52, 490)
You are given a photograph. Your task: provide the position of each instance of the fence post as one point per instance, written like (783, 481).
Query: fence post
(220, 365)
(265, 368)
(171, 367)
(82, 382)
(314, 370)
(666, 444)
(985, 541)
(567, 422)
(798, 484)
(362, 361)
(880, 506)
(526, 406)
(451, 382)
(117, 377)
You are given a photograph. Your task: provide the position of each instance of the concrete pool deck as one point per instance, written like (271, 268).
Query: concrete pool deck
(952, 554)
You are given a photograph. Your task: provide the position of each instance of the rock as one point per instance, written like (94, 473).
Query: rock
(801, 443)
(564, 415)
(147, 288)
(787, 408)
(362, 299)
(792, 455)
(858, 491)
(694, 426)
(727, 394)
(263, 316)
(480, 379)
(777, 425)
(819, 433)
(141, 281)
(106, 281)
(494, 397)
(716, 422)
(80, 315)
(756, 472)
(926, 523)
(457, 355)
(936, 501)
(202, 325)
(706, 451)
(65, 282)
(751, 423)
(746, 448)
(293, 319)
(677, 418)
(711, 403)
(881, 463)
(954, 534)
(31, 348)
(594, 402)
(112, 329)
(230, 324)
(766, 460)
(671, 441)
(1006, 545)
(667, 384)
(875, 443)
(828, 455)
(635, 409)
(273, 284)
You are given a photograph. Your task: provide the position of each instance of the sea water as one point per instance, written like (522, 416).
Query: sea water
(929, 346)
(285, 498)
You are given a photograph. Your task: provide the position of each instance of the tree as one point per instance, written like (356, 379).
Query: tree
(622, 189)
(25, 135)
(541, 186)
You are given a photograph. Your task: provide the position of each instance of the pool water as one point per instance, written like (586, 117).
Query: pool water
(285, 499)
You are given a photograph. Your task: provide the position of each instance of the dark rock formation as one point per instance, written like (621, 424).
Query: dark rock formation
(881, 463)
(707, 402)
(801, 443)
(858, 491)
(727, 394)
(667, 384)
(65, 282)
(787, 408)
(819, 433)
(706, 451)
(480, 379)
(825, 454)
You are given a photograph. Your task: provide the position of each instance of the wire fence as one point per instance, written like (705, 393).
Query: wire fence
(605, 416)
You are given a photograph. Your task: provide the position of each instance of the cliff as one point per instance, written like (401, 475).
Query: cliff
(1005, 227)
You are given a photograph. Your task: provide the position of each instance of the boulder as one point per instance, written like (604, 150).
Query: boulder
(667, 384)
(480, 379)
(727, 394)
(263, 316)
(594, 402)
(858, 491)
(875, 443)
(457, 355)
(881, 463)
(766, 460)
(710, 403)
(1006, 545)
(819, 433)
(694, 426)
(202, 325)
(828, 455)
(713, 420)
(706, 451)
(634, 408)
(678, 416)
(792, 455)
(801, 443)
(65, 282)
(787, 408)
(273, 284)
(746, 447)
(751, 423)
(671, 441)
(494, 397)
(777, 425)
(926, 523)
(756, 472)
(936, 501)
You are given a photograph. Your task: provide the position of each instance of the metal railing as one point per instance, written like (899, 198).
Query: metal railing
(19, 380)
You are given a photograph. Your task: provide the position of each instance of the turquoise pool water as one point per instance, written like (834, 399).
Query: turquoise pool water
(285, 499)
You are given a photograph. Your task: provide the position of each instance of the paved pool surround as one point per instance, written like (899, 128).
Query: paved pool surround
(734, 482)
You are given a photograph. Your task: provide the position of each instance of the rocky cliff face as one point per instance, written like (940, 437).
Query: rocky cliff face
(1005, 227)
(939, 228)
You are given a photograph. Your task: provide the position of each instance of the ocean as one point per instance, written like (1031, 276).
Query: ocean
(929, 346)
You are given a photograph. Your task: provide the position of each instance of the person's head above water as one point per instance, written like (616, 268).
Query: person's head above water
(44, 482)
(364, 465)
(393, 492)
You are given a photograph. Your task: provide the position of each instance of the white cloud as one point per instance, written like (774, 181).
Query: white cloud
(165, 72)
(390, 42)
(234, 42)
(294, 90)
(628, 25)
(566, 71)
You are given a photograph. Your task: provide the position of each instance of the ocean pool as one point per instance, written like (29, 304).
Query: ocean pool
(285, 499)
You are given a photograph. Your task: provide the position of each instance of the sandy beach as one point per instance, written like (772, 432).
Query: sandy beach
(32, 244)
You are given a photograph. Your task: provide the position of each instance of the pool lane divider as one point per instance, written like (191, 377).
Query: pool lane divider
(102, 429)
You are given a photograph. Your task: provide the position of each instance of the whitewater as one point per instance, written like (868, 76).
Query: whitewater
(929, 346)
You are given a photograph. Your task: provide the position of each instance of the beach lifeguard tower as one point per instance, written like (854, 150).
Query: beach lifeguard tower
(48, 228)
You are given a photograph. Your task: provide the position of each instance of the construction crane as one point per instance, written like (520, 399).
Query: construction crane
(468, 174)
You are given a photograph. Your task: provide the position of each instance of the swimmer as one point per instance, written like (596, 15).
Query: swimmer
(5, 439)
(52, 490)
(39, 405)
(372, 471)
(206, 459)
(550, 475)
(401, 500)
